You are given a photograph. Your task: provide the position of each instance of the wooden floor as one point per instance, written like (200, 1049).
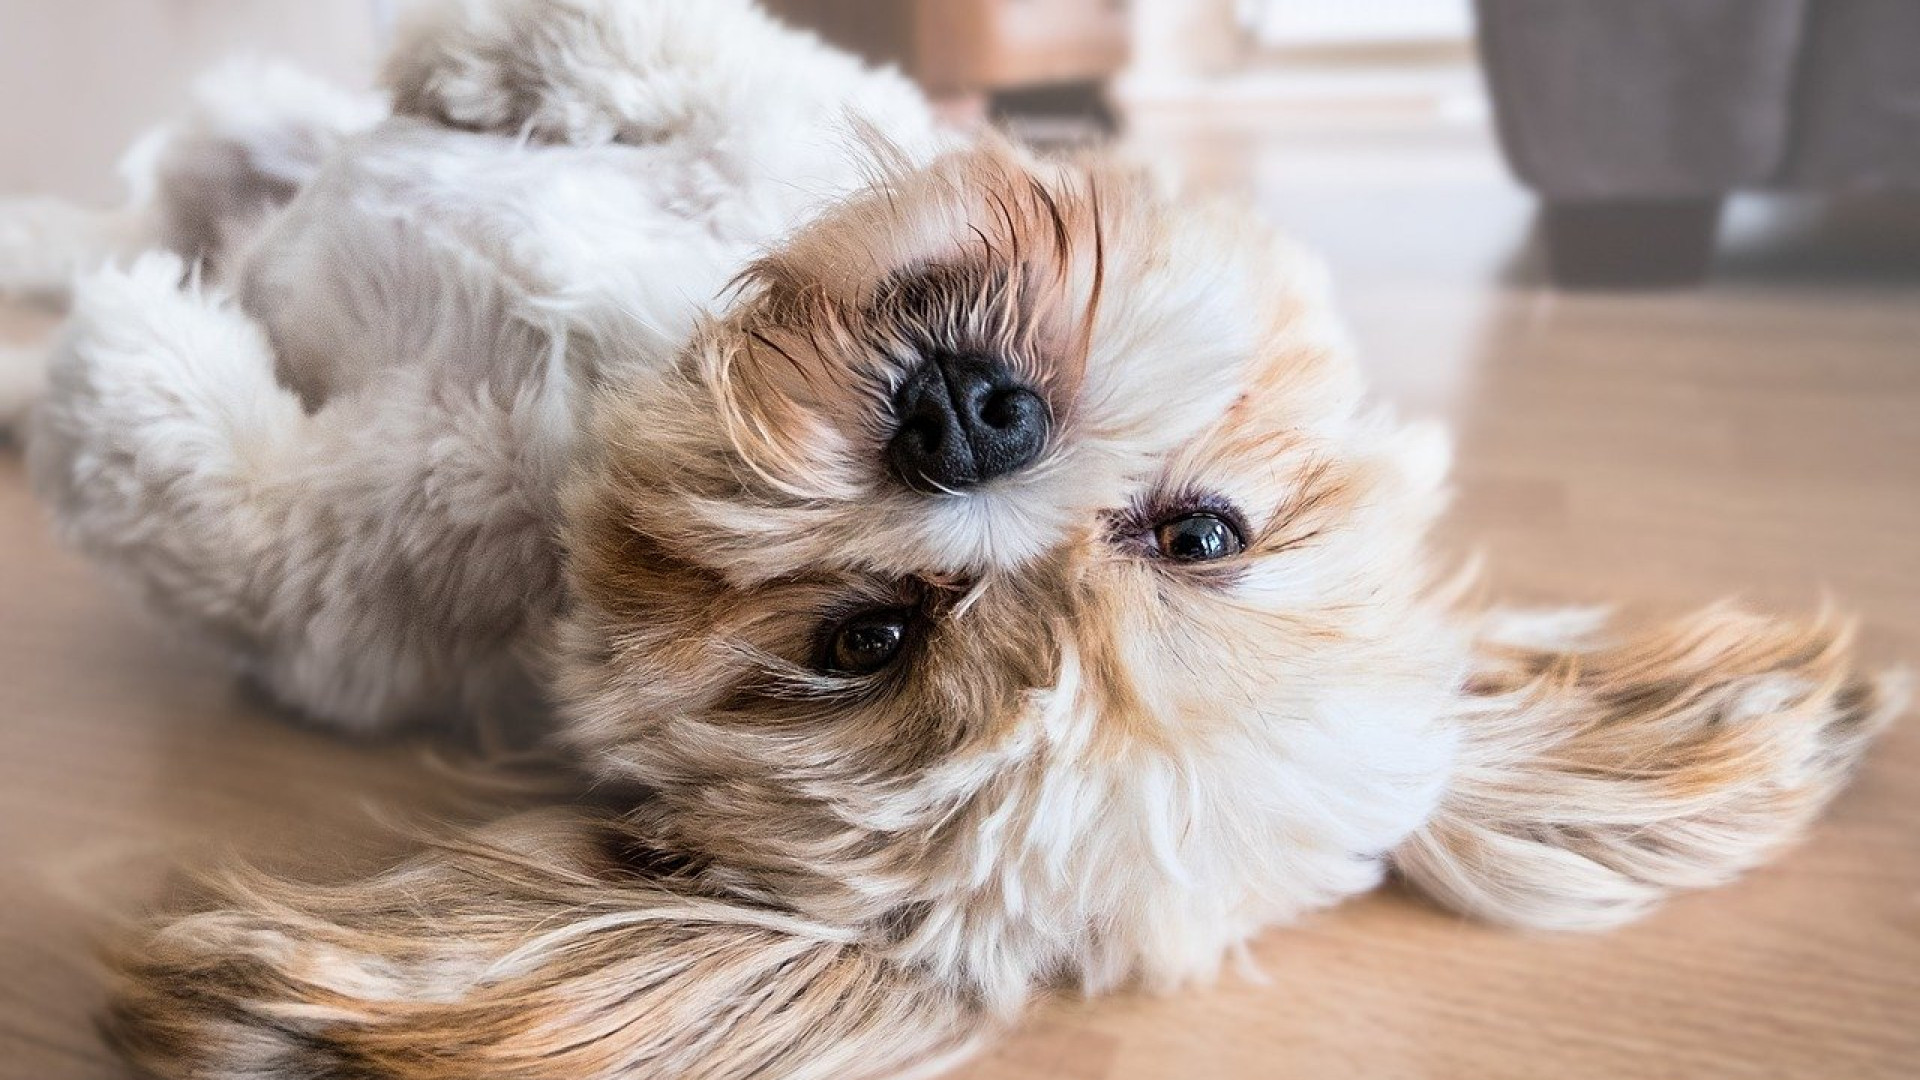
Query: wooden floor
(1759, 437)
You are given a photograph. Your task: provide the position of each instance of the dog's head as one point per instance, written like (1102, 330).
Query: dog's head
(1016, 540)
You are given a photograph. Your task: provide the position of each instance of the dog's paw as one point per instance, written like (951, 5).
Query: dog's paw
(98, 377)
(558, 71)
(153, 365)
(160, 419)
(44, 242)
(588, 72)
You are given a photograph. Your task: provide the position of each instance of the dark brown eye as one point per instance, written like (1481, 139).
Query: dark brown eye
(866, 643)
(1197, 538)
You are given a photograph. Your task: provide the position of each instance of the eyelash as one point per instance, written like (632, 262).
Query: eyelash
(1133, 528)
(922, 601)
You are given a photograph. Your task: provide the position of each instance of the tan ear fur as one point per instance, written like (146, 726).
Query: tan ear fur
(532, 952)
(1599, 775)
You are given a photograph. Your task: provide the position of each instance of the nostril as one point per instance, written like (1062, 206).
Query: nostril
(1005, 408)
(921, 433)
(1010, 408)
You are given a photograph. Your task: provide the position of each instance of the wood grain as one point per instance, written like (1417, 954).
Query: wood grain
(1761, 437)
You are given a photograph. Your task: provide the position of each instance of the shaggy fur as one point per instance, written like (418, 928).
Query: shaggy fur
(474, 419)
(337, 447)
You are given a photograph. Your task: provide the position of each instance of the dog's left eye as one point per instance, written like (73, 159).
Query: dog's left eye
(865, 643)
(1201, 537)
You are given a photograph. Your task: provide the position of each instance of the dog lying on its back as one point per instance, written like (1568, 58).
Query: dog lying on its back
(1000, 584)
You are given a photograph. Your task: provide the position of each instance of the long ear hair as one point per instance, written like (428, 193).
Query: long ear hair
(557, 946)
(1600, 774)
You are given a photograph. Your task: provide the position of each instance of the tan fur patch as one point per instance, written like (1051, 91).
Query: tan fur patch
(1604, 774)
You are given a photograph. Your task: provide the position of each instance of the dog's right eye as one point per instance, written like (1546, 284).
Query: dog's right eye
(866, 643)
(1199, 537)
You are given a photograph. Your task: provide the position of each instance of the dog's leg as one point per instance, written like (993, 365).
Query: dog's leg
(44, 242)
(587, 72)
(316, 546)
(532, 952)
(254, 134)
(161, 423)
(569, 71)
(23, 375)
(1598, 776)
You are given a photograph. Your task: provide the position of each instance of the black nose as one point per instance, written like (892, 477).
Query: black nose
(964, 420)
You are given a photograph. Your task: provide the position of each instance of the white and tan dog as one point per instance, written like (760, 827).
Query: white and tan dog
(987, 566)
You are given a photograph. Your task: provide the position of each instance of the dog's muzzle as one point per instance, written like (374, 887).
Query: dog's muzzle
(964, 420)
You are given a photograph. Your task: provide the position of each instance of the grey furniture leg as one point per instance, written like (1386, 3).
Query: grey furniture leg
(1642, 243)
(1632, 118)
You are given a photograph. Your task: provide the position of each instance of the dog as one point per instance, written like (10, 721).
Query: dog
(989, 568)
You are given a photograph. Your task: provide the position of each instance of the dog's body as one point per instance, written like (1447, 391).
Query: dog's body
(418, 318)
(1004, 586)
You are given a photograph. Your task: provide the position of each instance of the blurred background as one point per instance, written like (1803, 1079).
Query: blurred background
(1458, 150)
(1656, 262)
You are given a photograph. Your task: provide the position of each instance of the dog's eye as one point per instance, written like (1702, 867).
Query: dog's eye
(866, 643)
(1197, 538)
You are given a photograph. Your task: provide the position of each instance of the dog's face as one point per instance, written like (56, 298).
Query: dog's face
(1015, 518)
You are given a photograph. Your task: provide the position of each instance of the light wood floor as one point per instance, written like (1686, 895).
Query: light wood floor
(1759, 437)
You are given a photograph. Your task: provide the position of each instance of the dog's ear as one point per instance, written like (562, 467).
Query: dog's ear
(530, 953)
(1597, 775)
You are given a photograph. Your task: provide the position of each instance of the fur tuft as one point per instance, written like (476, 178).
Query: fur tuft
(1599, 776)
(532, 952)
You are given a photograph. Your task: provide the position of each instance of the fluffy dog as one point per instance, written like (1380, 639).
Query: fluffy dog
(1001, 586)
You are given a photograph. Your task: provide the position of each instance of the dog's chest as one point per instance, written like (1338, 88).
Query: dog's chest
(419, 247)
(1154, 864)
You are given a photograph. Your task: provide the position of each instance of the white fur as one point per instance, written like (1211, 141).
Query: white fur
(254, 134)
(332, 426)
(438, 301)
(23, 379)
